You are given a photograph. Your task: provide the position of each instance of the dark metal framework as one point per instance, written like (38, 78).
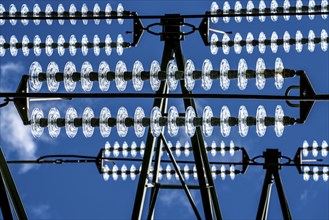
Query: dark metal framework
(171, 35)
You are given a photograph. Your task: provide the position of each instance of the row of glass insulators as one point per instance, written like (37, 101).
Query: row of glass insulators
(105, 122)
(178, 149)
(169, 172)
(315, 148)
(315, 173)
(274, 8)
(262, 42)
(50, 12)
(121, 76)
(61, 45)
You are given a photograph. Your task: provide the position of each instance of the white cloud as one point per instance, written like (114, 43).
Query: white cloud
(16, 136)
(11, 68)
(10, 74)
(175, 197)
(41, 211)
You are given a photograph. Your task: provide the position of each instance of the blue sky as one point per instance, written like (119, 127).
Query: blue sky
(79, 192)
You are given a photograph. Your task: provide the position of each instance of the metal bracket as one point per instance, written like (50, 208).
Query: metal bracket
(22, 104)
(138, 29)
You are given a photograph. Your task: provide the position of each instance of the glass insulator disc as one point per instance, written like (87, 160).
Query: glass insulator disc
(242, 74)
(71, 130)
(24, 11)
(96, 43)
(168, 172)
(225, 46)
(225, 128)
(206, 81)
(325, 174)
(60, 13)
(249, 45)
(108, 48)
(260, 121)
(84, 12)
(299, 45)
(154, 71)
(36, 13)
(108, 10)
(274, 6)
(261, 8)
(103, 69)
(260, 77)
(324, 43)
(84, 45)
(188, 75)
(286, 39)
(171, 78)
(96, 11)
(250, 7)
(87, 128)
(120, 82)
(72, 11)
(237, 10)
(36, 45)
(311, 44)
(213, 44)
(48, 12)
(261, 40)
(315, 174)
(25, 45)
(243, 126)
(122, 129)
(69, 83)
(124, 172)
(138, 125)
(299, 6)
(274, 45)
(72, 48)
(172, 126)
(224, 80)
(2, 43)
(120, 10)
(133, 151)
(324, 8)
(237, 45)
(207, 115)
(36, 129)
(213, 11)
(324, 151)
(115, 175)
(306, 175)
(119, 45)
(226, 9)
(311, 8)
(60, 45)
(279, 125)
(315, 146)
(305, 148)
(2, 11)
(34, 71)
(222, 172)
(104, 127)
(86, 83)
(12, 12)
(13, 49)
(155, 121)
(232, 172)
(286, 7)
(189, 125)
(52, 83)
(279, 80)
(49, 50)
(133, 172)
(106, 175)
(138, 83)
(53, 129)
